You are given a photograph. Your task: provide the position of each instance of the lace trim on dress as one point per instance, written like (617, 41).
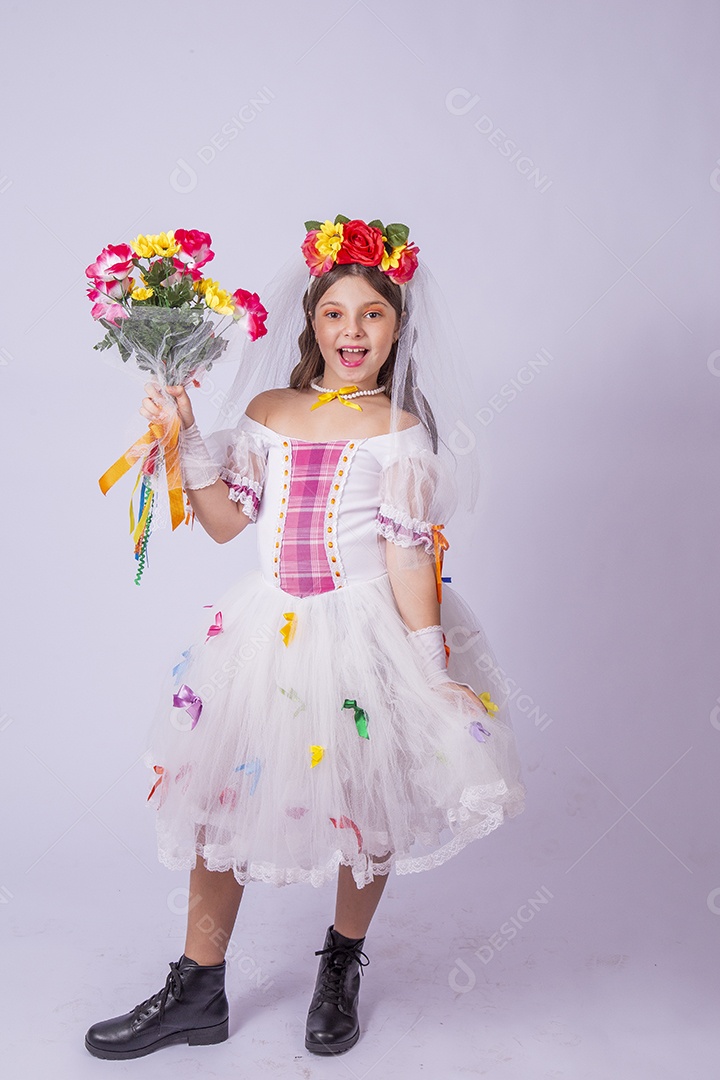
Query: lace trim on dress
(403, 530)
(243, 490)
(207, 483)
(491, 803)
(426, 630)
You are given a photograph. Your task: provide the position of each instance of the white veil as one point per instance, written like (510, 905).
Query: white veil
(426, 379)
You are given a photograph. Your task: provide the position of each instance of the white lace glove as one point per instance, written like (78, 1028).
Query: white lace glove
(429, 644)
(197, 467)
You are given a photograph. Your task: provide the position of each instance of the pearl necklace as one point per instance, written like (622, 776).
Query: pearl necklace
(356, 393)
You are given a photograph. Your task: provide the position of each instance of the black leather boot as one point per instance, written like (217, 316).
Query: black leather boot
(332, 1023)
(191, 1008)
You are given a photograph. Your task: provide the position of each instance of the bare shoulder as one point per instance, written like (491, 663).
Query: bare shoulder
(406, 420)
(382, 409)
(265, 403)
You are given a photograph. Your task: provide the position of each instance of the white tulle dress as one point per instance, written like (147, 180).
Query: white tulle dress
(297, 731)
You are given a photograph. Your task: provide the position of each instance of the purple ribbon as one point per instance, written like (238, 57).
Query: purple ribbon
(478, 731)
(189, 701)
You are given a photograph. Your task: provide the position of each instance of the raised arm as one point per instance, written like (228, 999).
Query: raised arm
(221, 518)
(222, 487)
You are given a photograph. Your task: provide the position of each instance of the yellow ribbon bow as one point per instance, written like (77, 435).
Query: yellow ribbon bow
(288, 630)
(440, 544)
(158, 435)
(490, 706)
(316, 755)
(339, 395)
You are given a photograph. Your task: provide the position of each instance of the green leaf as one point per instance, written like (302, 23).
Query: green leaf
(155, 274)
(397, 234)
(311, 225)
(341, 220)
(377, 224)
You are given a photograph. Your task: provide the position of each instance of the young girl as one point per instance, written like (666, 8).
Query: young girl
(342, 714)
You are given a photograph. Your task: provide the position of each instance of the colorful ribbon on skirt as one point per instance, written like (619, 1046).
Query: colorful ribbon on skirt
(160, 771)
(288, 630)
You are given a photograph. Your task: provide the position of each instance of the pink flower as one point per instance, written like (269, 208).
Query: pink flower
(113, 263)
(251, 313)
(105, 307)
(317, 263)
(116, 290)
(406, 266)
(195, 251)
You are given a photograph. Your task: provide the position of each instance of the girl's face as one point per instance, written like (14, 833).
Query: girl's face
(355, 329)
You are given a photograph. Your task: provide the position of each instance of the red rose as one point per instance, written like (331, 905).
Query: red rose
(361, 244)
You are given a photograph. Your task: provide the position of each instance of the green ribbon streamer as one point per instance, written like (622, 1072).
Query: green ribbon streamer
(361, 720)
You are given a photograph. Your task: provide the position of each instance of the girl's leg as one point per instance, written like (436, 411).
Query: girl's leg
(213, 904)
(332, 1024)
(192, 1007)
(354, 908)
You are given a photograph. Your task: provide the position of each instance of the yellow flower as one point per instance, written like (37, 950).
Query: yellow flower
(143, 246)
(162, 244)
(141, 293)
(490, 706)
(329, 239)
(392, 261)
(165, 244)
(218, 300)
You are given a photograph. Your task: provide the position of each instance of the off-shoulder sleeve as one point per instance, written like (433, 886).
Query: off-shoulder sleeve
(238, 456)
(242, 454)
(417, 492)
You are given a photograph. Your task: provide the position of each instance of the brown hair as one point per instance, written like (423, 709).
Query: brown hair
(311, 363)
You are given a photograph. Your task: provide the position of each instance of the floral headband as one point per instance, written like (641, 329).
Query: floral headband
(352, 241)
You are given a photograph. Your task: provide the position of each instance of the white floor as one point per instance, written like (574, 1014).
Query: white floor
(589, 985)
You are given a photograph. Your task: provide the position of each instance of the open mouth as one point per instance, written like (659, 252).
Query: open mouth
(352, 357)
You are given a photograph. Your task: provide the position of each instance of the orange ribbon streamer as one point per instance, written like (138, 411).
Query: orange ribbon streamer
(168, 440)
(440, 544)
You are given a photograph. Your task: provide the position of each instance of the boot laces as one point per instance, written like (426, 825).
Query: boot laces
(333, 973)
(173, 985)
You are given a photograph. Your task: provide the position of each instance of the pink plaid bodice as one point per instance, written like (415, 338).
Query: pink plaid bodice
(303, 515)
(317, 518)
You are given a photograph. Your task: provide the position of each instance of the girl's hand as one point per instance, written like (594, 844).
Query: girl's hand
(153, 407)
(466, 690)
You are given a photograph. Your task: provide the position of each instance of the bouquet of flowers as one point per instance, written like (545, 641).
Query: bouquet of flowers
(175, 322)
